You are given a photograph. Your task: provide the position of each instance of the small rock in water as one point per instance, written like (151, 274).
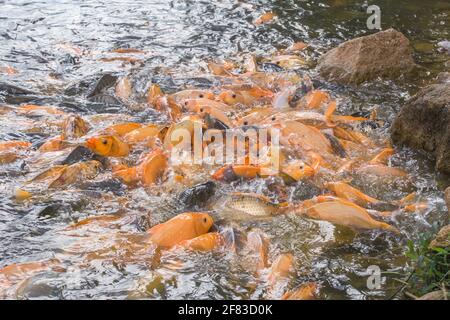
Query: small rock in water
(443, 77)
(445, 45)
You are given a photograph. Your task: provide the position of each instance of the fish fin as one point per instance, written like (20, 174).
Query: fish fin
(388, 227)
(55, 171)
(383, 156)
(347, 166)
(416, 207)
(329, 113)
(316, 161)
(408, 199)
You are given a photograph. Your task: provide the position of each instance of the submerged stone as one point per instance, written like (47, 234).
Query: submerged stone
(386, 54)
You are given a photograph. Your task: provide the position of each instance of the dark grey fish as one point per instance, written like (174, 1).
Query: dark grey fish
(305, 190)
(14, 90)
(336, 145)
(106, 81)
(108, 185)
(214, 123)
(370, 124)
(69, 59)
(362, 113)
(299, 93)
(197, 195)
(270, 67)
(80, 87)
(50, 211)
(22, 98)
(105, 99)
(81, 153)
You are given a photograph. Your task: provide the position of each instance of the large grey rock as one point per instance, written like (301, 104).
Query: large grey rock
(385, 54)
(424, 123)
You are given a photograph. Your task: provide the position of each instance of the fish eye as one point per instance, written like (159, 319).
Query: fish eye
(201, 95)
(201, 109)
(233, 96)
(185, 103)
(274, 118)
(301, 167)
(245, 123)
(105, 142)
(205, 220)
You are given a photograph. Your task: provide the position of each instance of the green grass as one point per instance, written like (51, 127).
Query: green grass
(431, 267)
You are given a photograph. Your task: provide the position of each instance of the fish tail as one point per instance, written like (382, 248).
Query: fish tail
(408, 199)
(388, 227)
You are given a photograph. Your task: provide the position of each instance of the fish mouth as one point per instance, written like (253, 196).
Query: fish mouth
(90, 143)
(214, 228)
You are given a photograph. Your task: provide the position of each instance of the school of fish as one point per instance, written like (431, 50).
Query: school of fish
(318, 146)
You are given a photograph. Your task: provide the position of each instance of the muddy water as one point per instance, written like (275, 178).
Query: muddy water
(37, 38)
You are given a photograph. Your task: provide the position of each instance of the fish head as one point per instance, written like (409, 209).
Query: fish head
(190, 104)
(205, 95)
(101, 145)
(298, 170)
(202, 222)
(230, 97)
